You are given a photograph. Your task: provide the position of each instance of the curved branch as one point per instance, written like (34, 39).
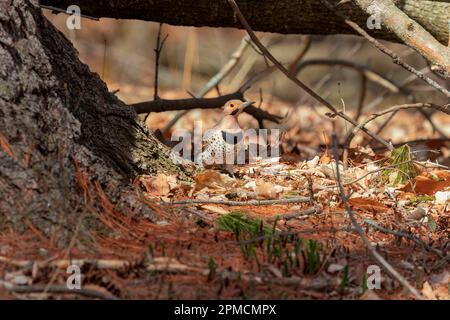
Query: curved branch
(370, 74)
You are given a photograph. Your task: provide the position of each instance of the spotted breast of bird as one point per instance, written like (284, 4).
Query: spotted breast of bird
(222, 144)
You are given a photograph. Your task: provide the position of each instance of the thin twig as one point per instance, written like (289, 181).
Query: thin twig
(159, 46)
(411, 33)
(241, 203)
(407, 236)
(158, 49)
(371, 172)
(358, 228)
(307, 212)
(299, 83)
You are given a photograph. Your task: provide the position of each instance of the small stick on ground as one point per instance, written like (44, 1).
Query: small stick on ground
(407, 236)
(241, 203)
(62, 289)
(307, 212)
(359, 230)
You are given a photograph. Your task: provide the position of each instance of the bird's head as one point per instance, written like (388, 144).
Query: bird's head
(235, 107)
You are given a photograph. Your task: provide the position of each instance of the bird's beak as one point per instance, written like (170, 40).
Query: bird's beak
(246, 104)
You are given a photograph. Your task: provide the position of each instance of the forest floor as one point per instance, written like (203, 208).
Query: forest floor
(209, 247)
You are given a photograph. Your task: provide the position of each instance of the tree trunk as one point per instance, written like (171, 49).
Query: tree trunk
(282, 16)
(63, 137)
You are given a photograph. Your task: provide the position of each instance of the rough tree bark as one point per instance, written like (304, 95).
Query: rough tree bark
(282, 16)
(56, 119)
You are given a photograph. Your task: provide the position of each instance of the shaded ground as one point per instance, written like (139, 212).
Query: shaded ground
(312, 256)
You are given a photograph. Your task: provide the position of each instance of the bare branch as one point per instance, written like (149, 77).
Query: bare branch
(296, 80)
(374, 76)
(158, 49)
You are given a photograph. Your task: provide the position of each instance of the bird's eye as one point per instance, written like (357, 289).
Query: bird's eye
(232, 105)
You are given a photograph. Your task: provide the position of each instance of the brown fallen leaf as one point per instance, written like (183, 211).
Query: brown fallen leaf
(211, 179)
(325, 158)
(156, 185)
(428, 183)
(368, 204)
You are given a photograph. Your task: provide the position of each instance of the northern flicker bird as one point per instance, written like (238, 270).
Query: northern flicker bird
(222, 143)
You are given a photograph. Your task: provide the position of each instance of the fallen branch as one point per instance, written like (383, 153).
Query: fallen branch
(294, 79)
(167, 265)
(160, 264)
(62, 289)
(359, 230)
(241, 203)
